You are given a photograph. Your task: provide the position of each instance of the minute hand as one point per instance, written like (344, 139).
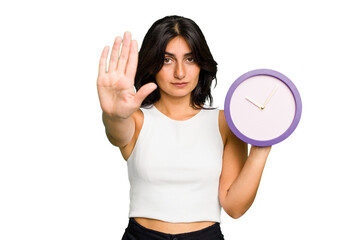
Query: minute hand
(268, 99)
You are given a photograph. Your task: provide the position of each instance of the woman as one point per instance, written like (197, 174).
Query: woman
(184, 163)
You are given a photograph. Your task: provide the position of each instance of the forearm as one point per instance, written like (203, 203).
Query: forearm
(119, 131)
(242, 191)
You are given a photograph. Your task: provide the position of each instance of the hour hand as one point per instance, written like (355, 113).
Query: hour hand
(253, 102)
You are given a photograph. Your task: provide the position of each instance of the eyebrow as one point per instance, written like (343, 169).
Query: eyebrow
(173, 55)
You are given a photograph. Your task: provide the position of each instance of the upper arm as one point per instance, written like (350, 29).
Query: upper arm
(128, 148)
(234, 157)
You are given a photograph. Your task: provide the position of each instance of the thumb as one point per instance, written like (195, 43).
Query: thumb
(144, 91)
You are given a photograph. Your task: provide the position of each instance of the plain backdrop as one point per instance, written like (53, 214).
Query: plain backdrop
(60, 178)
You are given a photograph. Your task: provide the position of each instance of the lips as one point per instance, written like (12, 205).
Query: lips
(180, 84)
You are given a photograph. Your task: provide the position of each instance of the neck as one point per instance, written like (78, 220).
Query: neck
(180, 108)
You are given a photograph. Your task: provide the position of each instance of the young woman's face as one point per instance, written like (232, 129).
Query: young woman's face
(180, 73)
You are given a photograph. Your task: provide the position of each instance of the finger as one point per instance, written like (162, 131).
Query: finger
(103, 58)
(124, 54)
(133, 60)
(115, 54)
(144, 91)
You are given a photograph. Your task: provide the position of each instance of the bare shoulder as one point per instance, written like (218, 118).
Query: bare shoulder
(138, 117)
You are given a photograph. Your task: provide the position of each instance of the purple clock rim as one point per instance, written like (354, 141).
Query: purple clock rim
(293, 89)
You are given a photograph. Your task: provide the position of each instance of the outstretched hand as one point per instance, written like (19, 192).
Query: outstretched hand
(116, 86)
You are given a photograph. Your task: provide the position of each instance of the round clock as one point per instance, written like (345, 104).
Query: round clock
(262, 107)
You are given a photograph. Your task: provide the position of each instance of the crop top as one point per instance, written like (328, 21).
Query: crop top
(175, 167)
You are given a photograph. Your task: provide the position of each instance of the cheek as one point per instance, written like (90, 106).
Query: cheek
(196, 70)
(163, 74)
(195, 73)
(159, 77)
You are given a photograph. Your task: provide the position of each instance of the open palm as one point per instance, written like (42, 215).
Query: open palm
(116, 86)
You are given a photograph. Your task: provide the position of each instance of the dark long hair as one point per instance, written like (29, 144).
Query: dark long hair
(152, 51)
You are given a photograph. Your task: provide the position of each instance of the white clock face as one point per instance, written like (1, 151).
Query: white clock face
(262, 107)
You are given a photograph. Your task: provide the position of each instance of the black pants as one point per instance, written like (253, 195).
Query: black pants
(135, 231)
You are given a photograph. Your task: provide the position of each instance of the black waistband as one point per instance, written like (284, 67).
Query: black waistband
(213, 230)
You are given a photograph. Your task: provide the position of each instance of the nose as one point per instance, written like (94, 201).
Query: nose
(179, 71)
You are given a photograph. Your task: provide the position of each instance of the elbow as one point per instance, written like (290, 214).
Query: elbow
(112, 140)
(237, 207)
(238, 211)
(236, 214)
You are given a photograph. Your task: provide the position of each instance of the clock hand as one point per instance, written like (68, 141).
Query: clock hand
(253, 102)
(271, 94)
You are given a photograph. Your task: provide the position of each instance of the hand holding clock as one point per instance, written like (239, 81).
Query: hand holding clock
(261, 129)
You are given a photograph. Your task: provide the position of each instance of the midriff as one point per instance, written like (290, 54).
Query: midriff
(172, 228)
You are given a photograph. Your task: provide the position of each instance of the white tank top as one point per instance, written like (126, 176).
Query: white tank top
(175, 167)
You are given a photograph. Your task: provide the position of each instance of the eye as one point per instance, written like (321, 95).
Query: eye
(190, 59)
(167, 60)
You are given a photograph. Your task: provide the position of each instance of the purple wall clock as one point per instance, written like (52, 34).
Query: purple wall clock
(263, 107)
